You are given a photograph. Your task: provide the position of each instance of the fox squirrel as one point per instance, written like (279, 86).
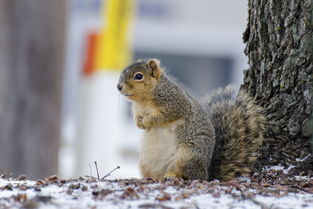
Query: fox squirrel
(217, 138)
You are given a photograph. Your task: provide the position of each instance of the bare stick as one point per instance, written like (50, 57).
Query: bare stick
(97, 170)
(108, 174)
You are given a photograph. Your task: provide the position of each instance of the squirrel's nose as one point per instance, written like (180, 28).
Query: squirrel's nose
(119, 87)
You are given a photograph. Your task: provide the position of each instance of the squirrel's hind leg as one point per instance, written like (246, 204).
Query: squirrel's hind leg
(188, 165)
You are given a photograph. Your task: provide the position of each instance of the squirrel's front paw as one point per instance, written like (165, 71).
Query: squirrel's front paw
(139, 122)
(146, 122)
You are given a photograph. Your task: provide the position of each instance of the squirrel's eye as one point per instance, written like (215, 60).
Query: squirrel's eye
(138, 76)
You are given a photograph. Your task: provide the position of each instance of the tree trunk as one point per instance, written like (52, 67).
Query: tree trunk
(279, 45)
(31, 62)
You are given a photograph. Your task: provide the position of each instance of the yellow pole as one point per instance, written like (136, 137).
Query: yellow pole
(113, 50)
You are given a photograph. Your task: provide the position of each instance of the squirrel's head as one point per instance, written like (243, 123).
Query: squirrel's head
(138, 80)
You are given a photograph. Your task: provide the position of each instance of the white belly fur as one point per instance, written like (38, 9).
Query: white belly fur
(158, 149)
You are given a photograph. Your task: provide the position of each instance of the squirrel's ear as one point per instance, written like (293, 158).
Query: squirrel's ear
(154, 66)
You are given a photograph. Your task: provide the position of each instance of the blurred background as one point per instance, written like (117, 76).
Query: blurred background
(60, 61)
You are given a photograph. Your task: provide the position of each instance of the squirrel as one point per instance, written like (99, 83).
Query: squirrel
(217, 138)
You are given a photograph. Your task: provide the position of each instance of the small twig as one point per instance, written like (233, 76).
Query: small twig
(97, 170)
(299, 188)
(108, 174)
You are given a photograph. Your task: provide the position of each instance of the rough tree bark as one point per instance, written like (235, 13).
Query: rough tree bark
(31, 62)
(279, 45)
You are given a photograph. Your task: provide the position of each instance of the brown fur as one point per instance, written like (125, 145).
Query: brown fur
(140, 91)
(239, 127)
(178, 138)
(185, 139)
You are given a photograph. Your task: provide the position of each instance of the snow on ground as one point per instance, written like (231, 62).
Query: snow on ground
(271, 190)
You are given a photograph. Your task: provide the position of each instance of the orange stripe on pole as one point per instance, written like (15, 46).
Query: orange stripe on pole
(90, 53)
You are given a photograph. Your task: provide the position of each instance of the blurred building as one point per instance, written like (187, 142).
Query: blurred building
(199, 42)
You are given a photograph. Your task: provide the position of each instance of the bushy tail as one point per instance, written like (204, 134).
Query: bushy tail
(239, 127)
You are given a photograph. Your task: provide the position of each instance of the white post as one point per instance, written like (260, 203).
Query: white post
(98, 131)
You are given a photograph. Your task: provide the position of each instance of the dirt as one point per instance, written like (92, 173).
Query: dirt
(155, 193)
